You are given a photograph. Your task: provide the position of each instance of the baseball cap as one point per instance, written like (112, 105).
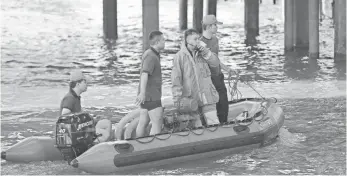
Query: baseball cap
(210, 19)
(76, 75)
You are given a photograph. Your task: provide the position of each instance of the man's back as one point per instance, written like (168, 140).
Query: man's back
(72, 102)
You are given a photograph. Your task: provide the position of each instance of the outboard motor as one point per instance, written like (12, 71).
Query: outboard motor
(75, 134)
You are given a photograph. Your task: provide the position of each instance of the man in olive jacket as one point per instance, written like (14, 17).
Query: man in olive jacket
(191, 76)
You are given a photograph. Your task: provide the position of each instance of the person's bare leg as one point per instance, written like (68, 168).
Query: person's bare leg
(197, 121)
(131, 127)
(156, 116)
(124, 121)
(143, 122)
(103, 127)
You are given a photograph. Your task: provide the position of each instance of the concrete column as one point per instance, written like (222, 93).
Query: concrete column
(294, 23)
(340, 30)
(301, 9)
(321, 11)
(288, 25)
(205, 6)
(212, 7)
(198, 12)
(110, 19)
(183, 22)
(257, 19)
(251, 21)
(333, 11)
(150, 20)
(313, 6)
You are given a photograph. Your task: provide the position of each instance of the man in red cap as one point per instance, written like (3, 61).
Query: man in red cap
(209, 26)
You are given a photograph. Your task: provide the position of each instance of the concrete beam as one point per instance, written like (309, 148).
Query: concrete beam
(110, 19)
(340, 30)
(313, 16)
(251, 21)
(198, 12)
(150, 20)
(183, 10)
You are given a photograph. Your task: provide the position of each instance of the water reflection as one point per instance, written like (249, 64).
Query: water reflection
(298, 66)
(340, 68)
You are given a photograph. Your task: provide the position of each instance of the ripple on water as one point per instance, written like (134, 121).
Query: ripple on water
(39, 60)
(70, 44)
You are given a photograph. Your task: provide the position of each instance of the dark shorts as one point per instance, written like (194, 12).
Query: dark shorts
(150, 105)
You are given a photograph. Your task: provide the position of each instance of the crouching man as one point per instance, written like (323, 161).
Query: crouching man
(71, 103)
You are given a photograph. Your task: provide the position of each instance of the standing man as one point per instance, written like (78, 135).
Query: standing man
(191, 77)
(71, 103)
(149, 92)
(209, 26)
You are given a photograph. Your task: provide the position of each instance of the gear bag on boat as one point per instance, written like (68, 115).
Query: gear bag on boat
(75, 134)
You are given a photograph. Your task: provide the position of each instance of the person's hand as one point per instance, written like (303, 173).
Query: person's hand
(203, 50)
(233, 72)
(169, 119)
(140, 99)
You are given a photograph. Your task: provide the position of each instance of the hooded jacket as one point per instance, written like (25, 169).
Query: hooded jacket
(191, 76)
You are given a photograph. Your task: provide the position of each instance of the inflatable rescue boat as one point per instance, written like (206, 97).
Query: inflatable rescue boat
(264, 121)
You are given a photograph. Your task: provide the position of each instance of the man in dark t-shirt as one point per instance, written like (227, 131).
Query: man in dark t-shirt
(71, 103)
(149, 91)
(209, 25)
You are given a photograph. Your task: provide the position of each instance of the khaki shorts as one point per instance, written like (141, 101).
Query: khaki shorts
(208, 108)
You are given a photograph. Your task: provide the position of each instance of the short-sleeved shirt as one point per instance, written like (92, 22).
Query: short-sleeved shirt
(71, 101)
(151, 64)
(213, 45)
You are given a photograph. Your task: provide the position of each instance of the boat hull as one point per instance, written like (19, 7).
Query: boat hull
(37, 148)
(117, 156)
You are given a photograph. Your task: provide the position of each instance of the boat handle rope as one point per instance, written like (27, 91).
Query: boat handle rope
(191, 130)
(156, 137)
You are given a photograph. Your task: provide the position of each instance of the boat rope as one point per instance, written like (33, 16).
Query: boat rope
(190, 130)
(236, 95)
(235, 92)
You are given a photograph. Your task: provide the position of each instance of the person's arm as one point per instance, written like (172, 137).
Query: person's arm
(176, 79)
(143, 84)
(65, 111)
(227, 69)
(67, 105)
(224, 67)
(147, 69)
(210, 57)
(177, 85)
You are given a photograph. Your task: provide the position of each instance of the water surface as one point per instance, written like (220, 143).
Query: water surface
(43, 40)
